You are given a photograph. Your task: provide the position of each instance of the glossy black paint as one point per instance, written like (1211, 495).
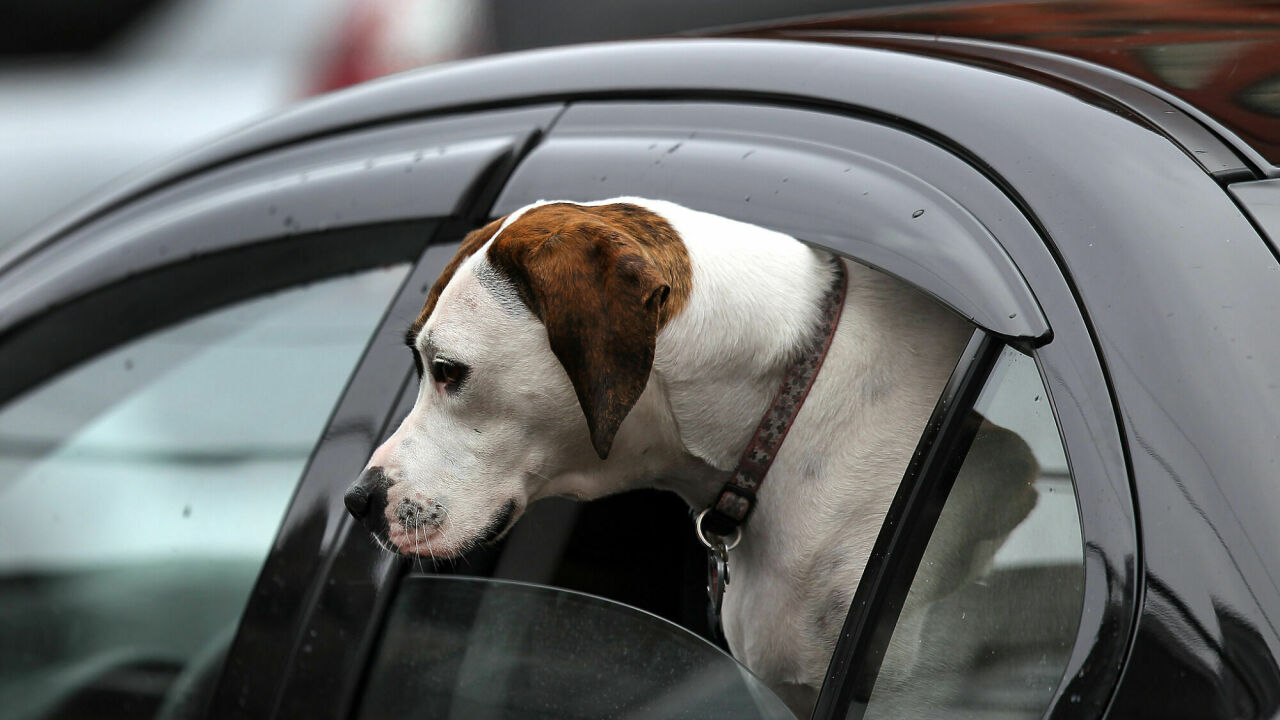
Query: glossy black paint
(1164, 112)
(1222, 57)
(1261, 200)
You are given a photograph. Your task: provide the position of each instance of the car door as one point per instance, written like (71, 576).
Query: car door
(909, 207)
(173, 368)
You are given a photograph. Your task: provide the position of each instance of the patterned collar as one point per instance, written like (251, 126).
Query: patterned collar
(738, 496)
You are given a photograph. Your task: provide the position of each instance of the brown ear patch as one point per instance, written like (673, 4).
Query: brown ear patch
(603, 280)
(470, 244)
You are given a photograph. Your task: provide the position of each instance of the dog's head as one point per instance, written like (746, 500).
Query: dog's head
(533, 346)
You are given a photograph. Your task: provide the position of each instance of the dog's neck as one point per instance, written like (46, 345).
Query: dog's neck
(755, 305)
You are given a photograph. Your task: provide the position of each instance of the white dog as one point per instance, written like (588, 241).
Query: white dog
(585, 349)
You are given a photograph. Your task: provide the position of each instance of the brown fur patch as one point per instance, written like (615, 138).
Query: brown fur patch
(603, 280)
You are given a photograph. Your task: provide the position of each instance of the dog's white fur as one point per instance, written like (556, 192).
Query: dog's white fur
(518, 432)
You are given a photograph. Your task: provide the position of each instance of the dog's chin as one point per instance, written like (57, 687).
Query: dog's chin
(500, 523)
(434, 546)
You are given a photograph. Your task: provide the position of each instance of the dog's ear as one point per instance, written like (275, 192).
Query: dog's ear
(601, 297)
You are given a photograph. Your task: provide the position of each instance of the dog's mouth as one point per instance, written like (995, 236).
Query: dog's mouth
(407, 541)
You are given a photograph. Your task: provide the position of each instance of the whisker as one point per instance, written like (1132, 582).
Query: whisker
(434, 567)
(417, 540)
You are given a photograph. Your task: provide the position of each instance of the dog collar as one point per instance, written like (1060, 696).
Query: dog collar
(738, 496)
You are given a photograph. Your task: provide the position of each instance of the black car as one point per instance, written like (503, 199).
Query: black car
(196, 365)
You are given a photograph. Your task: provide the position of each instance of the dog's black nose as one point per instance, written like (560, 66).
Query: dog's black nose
(359, 497)
(357, 501)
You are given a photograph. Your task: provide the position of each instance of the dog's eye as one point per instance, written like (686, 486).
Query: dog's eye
(448, 372)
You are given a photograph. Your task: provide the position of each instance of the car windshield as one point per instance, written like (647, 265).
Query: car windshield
(473, 647)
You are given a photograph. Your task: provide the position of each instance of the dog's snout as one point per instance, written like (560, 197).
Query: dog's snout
(357, 498)
(413, 514)
(357, 501)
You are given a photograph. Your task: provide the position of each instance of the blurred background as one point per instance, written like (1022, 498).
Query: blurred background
(90, 89)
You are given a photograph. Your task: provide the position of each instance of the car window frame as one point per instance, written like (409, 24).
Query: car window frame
(83, 325)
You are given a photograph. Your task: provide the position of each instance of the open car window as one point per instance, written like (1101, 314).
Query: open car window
(472, 648)
(894, 203)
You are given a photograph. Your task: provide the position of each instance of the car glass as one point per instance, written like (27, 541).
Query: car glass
(142, 489)
(991, 616)
(473, 648)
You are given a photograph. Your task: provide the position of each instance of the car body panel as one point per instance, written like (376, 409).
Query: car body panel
(1220, 59)
(1179, 120)
(1261, 200)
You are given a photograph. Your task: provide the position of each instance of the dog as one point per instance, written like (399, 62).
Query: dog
(584, 349)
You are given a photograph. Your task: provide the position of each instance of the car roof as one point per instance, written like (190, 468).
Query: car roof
(1222, 57)
(704, 68)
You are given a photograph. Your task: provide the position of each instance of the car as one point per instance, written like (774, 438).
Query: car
(196, 365)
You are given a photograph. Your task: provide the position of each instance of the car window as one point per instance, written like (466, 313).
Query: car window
(991, 615)
(140, 492)
(1011, 520)
(492, 649)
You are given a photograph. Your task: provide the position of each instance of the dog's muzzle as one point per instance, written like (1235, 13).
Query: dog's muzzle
(413, 515)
